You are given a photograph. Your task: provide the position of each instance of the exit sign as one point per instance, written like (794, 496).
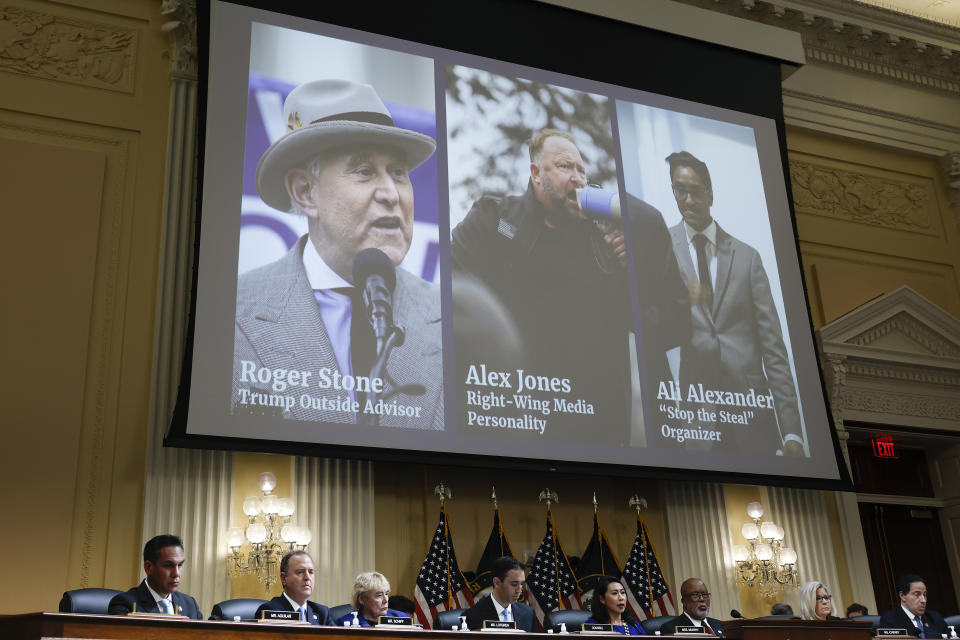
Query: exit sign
(884, 448)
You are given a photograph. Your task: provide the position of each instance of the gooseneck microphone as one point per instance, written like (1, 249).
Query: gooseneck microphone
(735, 614)
(375, 274)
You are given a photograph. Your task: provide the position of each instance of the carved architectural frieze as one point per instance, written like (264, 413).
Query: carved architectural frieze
(863, 38)
(181, 24)
(849, 195)
(903, 373)
(66, 49)
(902, 404)
(905, 323)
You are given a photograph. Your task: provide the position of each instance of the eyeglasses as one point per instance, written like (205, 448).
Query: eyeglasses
(698, 595)
(823, 598)
(697, 192)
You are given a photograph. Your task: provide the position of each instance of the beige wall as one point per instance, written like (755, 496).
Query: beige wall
(871, 220)
(82, 151)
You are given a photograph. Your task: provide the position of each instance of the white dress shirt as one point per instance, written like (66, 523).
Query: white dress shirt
(335, 307)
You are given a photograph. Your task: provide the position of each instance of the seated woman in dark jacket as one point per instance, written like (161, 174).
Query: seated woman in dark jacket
(609, 606)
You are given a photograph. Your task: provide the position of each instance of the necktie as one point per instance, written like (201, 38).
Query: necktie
(303, 613)
(505, 615)
(708, 629)
(703, 269)
(165, 606)
(916, 621)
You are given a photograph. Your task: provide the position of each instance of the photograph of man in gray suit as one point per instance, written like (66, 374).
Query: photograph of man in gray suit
(303, 345)
(737, 342)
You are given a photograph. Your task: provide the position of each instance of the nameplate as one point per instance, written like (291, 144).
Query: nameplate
(394, 621)
(690, 629)
(596, 627)
(159, 615)
(270, 615)
(893, 632)
(499, 624)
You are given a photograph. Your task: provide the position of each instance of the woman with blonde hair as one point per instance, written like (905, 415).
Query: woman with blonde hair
(816, 603)
(371, 593)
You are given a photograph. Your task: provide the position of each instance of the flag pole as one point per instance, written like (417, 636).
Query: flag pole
(444, 492)
(549, 496)
(638, 503)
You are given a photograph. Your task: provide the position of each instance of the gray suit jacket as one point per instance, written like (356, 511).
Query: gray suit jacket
(278, 326)
(740, 344)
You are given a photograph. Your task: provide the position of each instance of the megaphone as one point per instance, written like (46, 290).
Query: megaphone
(599, 204)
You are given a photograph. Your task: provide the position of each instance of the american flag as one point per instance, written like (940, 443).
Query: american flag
(647, 590)
(551, 583)
(440, 585)
(598, 560)
(497, 546)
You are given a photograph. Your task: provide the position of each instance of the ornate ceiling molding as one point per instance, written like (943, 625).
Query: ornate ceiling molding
(895, 360)
(862, 38)
(181, 24)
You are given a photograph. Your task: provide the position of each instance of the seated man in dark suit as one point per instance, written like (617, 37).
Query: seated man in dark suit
(696, 606)
(296, 578)
(502, 603)
(163, 564)
(912, 614)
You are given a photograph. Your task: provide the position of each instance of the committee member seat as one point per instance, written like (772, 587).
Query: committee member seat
(339, 611)
(244, 608)
(447, 619)
(651, 625)
(953, 621)
(782, 617)
(87, 600)
(573, 618)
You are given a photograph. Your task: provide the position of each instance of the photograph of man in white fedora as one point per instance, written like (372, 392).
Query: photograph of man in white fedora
(304, 346)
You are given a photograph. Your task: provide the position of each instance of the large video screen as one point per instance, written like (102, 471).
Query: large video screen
(414, 250)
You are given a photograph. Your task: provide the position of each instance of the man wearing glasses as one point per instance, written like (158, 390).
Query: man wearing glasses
(736, 343)
(696, 609)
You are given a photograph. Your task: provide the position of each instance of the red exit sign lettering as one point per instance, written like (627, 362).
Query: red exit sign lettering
(884, 448)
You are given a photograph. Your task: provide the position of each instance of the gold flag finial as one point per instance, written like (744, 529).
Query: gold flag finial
(596, 505)
(549, 497)
(444, 492)
(493, 496)
(637, 503)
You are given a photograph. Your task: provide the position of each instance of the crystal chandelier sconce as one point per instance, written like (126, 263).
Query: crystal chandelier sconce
(258, 548)
(766, 564)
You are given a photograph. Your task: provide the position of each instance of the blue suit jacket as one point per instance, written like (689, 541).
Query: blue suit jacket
(122, 603)
(317, 613)
(933, 624)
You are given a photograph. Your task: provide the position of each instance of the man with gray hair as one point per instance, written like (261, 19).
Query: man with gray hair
(304, 347)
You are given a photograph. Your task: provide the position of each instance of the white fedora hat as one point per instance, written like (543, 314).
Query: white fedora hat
(325, 114)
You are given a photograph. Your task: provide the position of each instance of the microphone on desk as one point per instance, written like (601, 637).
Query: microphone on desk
(736, 614)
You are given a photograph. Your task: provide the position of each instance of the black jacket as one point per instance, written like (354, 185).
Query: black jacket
(122, 603)
(318, 614)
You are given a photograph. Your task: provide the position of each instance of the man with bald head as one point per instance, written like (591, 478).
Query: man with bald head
(563, 283)
(696, 609)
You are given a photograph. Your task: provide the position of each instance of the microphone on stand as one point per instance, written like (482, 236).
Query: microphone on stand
(376, 276)
(736, 614)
